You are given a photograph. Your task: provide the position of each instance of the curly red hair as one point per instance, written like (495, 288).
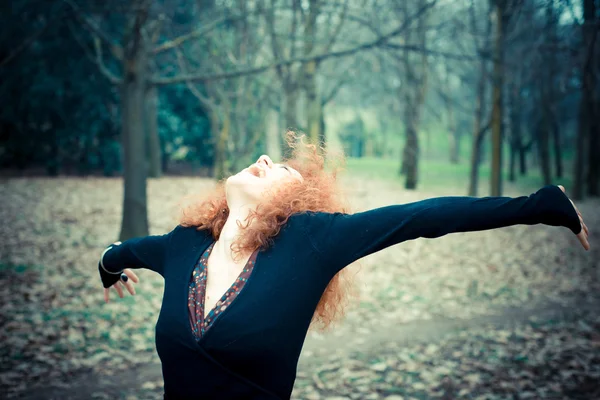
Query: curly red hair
(317, 192)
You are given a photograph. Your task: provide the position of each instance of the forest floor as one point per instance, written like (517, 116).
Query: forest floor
(509, 313)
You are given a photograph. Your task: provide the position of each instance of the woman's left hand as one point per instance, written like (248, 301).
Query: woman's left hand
(128, 277)
(583, 234)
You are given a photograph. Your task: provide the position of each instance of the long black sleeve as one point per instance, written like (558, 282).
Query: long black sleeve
(144, 252)
(342, 238)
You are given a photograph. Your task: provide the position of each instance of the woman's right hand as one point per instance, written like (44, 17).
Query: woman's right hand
(584, 233)
(131, 278)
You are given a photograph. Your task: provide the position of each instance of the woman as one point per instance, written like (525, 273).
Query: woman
(247, 271)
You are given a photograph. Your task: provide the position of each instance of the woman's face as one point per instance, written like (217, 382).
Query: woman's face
(263, 175)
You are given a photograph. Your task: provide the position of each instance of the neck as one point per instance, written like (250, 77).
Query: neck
(238, 212)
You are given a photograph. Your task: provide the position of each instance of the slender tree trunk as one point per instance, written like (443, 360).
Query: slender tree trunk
(512, 163)
(322, 132)
(542, 141)
(454, 143)
(272, 134)
(498, 78)
(593, 161)
(477, 133)
(290, 108)
(557, 148)
(313, 100)
(548, 89)
(475, 161)
(588, 126)
(452, 131)
(290, 116)
(414, 99)
(523, 159)
(220, 144)
(313, 103)
(411, 153)
(515, 125)
(154, 148)
(135, 74)
(579, 169)
(135, 211)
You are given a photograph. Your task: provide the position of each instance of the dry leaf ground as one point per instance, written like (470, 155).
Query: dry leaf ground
(56, 328)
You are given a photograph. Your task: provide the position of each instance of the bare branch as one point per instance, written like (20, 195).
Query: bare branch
(25, 43)
(116, 49)
(192, 88)
(100, 63)
(380, 41)
(337, 29)
(419, 49)
(171, 44)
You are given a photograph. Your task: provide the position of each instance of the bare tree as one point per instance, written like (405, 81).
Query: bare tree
(413, 90)
(502, 10)
(588, 129)
(478, 128)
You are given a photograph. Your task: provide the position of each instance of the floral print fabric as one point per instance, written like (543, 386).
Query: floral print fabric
(197, 291)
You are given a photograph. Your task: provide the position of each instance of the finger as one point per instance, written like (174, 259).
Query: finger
(584, 226)
(575, 207)
(129, 287)
(584, 241)
(119, 289)
(562, 188)
(131, 275)
(106, 291)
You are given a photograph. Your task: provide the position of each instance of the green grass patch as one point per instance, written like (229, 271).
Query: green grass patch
(439, 173)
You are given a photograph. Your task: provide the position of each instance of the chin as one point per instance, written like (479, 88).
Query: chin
(238, 180)
(242, 185)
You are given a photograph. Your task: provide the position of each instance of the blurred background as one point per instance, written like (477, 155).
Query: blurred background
(113, 111)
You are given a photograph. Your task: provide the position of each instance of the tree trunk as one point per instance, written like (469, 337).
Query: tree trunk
(290, 108)
(154, 148)
(313, 100)
(548, 89)
(515, 126)
(414, 100)
(411, 155)
(220, 144)
(290, 115)
(272, 134)
(593, 158)
(313, 103)
(135, 212)
(135, 73)
(579, 169)
(323, 134)
(498, 79)
(542, 141)
(523, 159)
(588, 126)
(557, 148)
(452, 131)
(477, 133)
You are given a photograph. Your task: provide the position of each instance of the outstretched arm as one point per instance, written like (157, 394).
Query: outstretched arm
(144, 252)
(341, 238)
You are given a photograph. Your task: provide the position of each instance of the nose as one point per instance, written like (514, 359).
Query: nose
(264, 159)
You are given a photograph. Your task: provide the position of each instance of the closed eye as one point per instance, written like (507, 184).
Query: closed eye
(288, 170)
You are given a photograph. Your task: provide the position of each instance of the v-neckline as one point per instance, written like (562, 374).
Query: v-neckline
(213, 310)
(204, 315)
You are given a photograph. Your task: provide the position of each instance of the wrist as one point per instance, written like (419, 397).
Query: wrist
(101, 263)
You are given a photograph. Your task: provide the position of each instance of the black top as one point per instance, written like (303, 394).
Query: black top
(252, 349)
